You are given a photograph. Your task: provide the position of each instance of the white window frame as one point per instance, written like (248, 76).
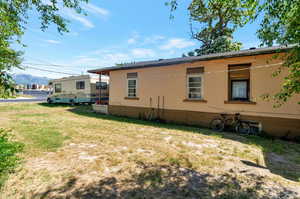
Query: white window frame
(247, 98)
(136, 87)
(188, 87)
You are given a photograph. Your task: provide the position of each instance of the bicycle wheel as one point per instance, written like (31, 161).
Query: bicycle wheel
(217, 124)
(243, 128)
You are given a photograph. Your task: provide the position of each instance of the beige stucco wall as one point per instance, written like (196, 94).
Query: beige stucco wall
(169, 82)
(69, 85)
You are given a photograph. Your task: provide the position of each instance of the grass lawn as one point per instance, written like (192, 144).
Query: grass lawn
(71, 152)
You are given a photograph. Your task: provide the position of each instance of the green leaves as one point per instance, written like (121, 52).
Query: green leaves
(216, 21)
(291, 83)
(281, 25)
(8, 153)
(13, 21)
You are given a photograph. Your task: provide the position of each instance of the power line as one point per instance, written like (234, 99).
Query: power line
(51, 71)
(178, 74)
(52, 65)
(47, 63)
(56, 65)
(159, 74)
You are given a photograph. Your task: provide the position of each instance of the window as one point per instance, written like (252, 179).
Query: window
(132, 85)
(57, 88)
(239, 89)
(194, 86)
(239, 82)
(80, 85)
(195, 83)
(103, 85)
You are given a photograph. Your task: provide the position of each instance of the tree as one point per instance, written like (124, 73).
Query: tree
(13, 20)
(281, 25)
(218, 19)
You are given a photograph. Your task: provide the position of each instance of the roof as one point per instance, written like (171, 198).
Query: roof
(173, 61)
(79, 77)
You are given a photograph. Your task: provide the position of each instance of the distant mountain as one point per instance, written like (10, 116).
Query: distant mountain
(30, 79)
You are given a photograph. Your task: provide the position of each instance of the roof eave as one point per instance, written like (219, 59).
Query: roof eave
(193, 59)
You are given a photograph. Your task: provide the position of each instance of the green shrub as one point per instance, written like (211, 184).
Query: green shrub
(8, 154)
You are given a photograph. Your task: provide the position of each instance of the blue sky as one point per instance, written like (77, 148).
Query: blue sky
(113, 32)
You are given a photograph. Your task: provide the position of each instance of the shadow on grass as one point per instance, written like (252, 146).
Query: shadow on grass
(281, 157)
(163, 182)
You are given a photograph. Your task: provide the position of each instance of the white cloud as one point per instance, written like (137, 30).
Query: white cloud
(109, 56)
(52, 41)
(142, 53)
(153, 39)
(80, 18)
(106, 59)
(178, 43)
(95, 9)
(133, 39)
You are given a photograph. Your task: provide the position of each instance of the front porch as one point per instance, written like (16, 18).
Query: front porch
(101, 106)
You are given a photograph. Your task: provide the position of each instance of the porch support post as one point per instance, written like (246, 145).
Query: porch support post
(100, 89)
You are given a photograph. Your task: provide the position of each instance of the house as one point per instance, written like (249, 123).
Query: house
(194, 90)
(77, 89)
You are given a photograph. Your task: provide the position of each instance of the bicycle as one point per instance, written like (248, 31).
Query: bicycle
(234, 124)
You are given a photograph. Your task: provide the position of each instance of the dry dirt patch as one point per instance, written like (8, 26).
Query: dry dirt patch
(110, 157)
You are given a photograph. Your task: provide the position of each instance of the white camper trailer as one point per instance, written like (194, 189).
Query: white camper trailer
(77, 89)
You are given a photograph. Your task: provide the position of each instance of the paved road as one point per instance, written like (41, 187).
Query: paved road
(38, 96)
(24, 100)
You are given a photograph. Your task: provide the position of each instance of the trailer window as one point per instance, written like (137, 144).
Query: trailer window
(57, 88)
(80, 85)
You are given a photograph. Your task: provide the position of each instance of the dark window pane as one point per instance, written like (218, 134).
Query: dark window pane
(103, 85)
(194, 95)
(194, 84)
(80, 85)
(195, 90)
(131, 90)
(131, 94)
(131, 82)
(194, 79)
(57, 88)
